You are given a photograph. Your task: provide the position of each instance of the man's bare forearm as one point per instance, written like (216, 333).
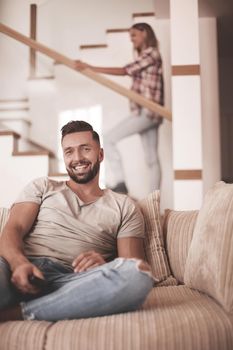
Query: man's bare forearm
(130, 247)
(11, 244)
(21, 219)
(11, 247)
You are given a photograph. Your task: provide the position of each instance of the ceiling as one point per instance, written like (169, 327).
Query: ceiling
(221, 9)
(207, 8)
(217, 8)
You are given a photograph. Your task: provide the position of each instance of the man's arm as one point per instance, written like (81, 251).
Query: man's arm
(22, 217)
(130, 247)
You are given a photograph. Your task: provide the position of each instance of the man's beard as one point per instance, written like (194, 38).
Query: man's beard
(87, 177)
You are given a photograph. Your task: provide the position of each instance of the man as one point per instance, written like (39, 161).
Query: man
(69, 234)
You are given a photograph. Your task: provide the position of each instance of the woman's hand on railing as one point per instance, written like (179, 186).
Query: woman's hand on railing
(79, 65)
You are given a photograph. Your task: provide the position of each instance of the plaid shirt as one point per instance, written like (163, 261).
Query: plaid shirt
(147, 75)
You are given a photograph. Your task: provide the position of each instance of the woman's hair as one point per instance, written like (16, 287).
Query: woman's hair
(151, 39)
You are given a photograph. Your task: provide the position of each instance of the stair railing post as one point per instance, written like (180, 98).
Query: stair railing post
(33, 25)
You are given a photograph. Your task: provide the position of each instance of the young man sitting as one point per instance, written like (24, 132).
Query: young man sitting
(71, 249)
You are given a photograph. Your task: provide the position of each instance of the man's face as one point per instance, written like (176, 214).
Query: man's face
(82, 156)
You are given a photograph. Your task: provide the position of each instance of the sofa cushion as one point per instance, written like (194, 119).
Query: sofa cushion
(173, 317)
(178, 230)
(154, 243)
(209, 266)
(23, 335)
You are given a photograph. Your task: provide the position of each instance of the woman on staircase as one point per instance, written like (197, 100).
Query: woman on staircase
(147, 80)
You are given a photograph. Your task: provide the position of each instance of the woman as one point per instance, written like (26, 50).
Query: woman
(147, 80)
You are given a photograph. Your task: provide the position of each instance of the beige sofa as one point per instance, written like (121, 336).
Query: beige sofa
(179, 313)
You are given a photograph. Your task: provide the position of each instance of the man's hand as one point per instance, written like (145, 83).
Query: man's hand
(79, 65)
(87, 260)
(20, 278)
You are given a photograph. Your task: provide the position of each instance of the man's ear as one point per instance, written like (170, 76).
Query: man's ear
(101, 154)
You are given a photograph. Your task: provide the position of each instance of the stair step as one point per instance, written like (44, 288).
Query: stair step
(42, 150)
(143, 14)
(14, 105)
(50, 77)
(41, 147)
(13, 100)
(30, 153)
(10, 133)
(117, 30)
(15, 119)
(94, 46)
(13, 108)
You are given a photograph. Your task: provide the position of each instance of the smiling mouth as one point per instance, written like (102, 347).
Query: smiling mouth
(80, 167)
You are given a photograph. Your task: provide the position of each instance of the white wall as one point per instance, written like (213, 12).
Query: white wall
(226, 83)
(17, 171)
(210, 102)
(14, 56)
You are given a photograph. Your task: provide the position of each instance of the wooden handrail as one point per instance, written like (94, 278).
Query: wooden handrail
(152, 106)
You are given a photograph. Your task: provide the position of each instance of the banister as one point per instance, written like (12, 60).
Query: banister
(152, 106)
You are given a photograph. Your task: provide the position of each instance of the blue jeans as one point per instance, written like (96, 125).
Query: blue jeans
(115, 287)
(148, 130)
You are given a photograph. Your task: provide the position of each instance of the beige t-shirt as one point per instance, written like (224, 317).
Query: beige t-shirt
(66, 227)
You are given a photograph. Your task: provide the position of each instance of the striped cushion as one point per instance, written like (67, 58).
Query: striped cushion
(178, 232)
(154, 244)
(173, 318)
(209, 266)
(4, 212)
(26, 335)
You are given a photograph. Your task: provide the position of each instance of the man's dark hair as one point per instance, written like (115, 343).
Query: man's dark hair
(79, 126)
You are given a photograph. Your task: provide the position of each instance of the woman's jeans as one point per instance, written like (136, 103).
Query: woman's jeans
(148, 130)
(115, 287)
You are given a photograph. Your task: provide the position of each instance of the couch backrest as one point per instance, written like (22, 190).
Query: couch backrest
(178, 230)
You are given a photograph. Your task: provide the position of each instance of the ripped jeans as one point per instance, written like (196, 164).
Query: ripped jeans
(115, 287)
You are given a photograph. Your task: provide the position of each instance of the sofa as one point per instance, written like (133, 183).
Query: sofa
(191, 308)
